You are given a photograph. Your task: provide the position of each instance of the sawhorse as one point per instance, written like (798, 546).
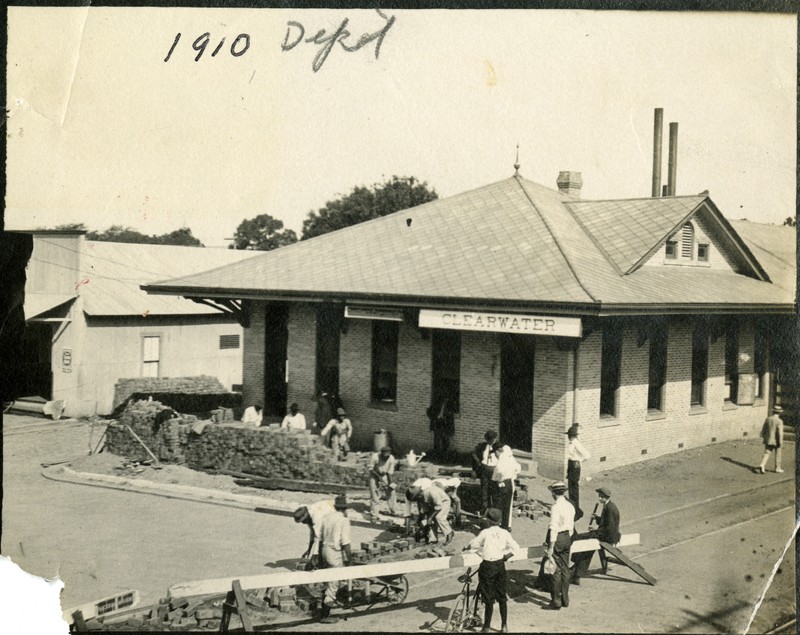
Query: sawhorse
(622, 559)
(235, 604)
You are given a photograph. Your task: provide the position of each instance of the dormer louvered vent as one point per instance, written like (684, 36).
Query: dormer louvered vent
(687, 241)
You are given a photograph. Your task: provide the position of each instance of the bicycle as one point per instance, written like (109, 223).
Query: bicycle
(466, 609)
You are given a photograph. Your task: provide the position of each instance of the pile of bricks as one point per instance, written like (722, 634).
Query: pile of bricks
(529, 509)
(201, 384)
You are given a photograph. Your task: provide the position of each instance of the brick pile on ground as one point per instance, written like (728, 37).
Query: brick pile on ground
(200, 384)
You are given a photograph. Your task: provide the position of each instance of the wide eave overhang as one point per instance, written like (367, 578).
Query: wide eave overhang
(598, 309)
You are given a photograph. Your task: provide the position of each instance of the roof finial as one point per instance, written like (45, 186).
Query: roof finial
(516, 164)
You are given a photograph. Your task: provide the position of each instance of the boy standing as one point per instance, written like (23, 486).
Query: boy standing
(494, 545)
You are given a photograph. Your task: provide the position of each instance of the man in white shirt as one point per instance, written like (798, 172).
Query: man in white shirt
(252, 415)
(494, 545)
(335, 551)
(295, 420)
(503, 475)
(340, 430)
(381, 468)
(313, 515)
(576, 454)
(559, 539)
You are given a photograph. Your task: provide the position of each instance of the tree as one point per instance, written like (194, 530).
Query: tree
(364, 204)
(262, 233)
(120, 234)
(790, 221)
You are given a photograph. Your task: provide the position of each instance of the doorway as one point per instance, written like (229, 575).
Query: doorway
(329, 326)
(516, 390)
(35, 373)
(276, 339)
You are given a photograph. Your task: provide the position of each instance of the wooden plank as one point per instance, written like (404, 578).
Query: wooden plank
(372, 570)
(136, 436)
(241, 606)
(592, 544)
(633, 566)
(375, 569)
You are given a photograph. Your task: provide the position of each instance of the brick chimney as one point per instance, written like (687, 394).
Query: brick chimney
(570, 183)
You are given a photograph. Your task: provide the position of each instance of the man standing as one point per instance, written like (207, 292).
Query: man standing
(335, 552)
(323, 414)
(295, 420)
(381, 468)
(772, 435)
(442, 424)
(484, 458)
(503, 475)
(494, 545)
(576, 454)
(313, 515)
(607, 530)
(340, 430)
(559, 539)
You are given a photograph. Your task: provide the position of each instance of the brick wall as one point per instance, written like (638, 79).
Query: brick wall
(621, 440)
(253, 357)
(552, 406)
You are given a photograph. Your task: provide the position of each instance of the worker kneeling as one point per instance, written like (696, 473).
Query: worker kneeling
(335, 552)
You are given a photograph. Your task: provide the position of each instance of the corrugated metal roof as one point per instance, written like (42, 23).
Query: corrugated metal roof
(115, 271)
(514, 241)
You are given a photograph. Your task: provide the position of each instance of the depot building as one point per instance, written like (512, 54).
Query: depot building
(649, 322)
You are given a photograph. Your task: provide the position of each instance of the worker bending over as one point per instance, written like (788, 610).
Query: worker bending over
(335, 552)
(312, 515)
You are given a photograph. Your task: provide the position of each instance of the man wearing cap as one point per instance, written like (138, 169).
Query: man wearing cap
(434, 506)
(559, 539)
(340, 430)
(576, 454)
(494, 545)
(335, 552)
(295, 420)
(381, 468)
(607, 530)
(772, 436)
(312, 515)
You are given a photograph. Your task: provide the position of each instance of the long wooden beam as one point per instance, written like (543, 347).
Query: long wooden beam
(373, 570)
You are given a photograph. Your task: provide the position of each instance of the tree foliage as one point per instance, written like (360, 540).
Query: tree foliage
(790, 221)
(120, 234)
(262, 233)
(366, 203)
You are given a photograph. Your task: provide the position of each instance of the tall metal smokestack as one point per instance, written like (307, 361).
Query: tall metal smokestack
(657, 127)
(673, 159)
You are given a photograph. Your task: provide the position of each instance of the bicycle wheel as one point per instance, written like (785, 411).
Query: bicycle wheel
(458, 615)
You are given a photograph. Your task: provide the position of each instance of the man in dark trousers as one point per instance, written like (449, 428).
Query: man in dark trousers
(484, 459)
(607, 530)
(559, 540)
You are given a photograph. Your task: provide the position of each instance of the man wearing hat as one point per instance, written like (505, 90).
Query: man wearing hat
(772, 436)
(434, 507)
(335, 551)
(607, 530)
(340, 430)
(312, 515)
(576, 454)
(559, 539)
(381, 468)
(494, 545)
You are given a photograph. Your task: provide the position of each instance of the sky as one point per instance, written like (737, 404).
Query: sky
(103, 131)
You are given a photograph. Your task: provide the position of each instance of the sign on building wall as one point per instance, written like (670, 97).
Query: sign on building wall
(501, 322)
(66, 360)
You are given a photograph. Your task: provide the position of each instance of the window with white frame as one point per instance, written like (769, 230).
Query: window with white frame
(151, 355)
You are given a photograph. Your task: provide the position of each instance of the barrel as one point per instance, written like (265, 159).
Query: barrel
(380, 439)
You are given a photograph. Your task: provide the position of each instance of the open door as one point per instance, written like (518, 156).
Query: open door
(276, 339)
(516, 390)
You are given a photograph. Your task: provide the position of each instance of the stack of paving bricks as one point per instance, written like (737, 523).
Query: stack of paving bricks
(155, 425)
(124, 388)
